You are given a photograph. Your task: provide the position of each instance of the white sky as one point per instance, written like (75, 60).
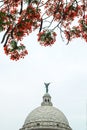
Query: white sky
(22, 82)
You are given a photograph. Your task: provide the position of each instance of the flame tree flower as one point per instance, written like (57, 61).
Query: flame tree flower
(19, 18)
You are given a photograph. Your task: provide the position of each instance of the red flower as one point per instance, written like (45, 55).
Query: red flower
(47, 38)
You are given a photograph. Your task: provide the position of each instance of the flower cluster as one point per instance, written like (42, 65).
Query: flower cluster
(17, 23)
(19, 18)
(65, 14)
(79, 31)
(15, 52)
(4, 21)
(61, 11)
(28, 21)
(47, 37)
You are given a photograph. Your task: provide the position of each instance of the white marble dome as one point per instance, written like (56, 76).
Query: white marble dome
(46, 113)
(46, 117)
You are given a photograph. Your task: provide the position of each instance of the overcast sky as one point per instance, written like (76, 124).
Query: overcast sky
(22, 82)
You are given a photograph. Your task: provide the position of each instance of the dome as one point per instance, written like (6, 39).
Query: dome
(46, 117)
(46, 113)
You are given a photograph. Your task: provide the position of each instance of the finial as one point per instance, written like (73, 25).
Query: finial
(46, 97)
(46, 85)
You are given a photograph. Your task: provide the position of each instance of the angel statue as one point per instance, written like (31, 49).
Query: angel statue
(46, 85)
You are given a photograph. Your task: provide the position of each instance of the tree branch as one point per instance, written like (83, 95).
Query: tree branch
(41, 25)
(21, 7)
(5, 35)
(6, 40)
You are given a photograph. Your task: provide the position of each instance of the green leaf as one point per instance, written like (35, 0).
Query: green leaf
(13, 44)
(21, 48)
(1, 28)
(42, 37)
(2, 14)
(49, 34)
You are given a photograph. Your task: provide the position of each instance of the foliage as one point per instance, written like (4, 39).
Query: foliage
(19, 18)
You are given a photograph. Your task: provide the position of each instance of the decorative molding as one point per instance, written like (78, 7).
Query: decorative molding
(46, 125)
